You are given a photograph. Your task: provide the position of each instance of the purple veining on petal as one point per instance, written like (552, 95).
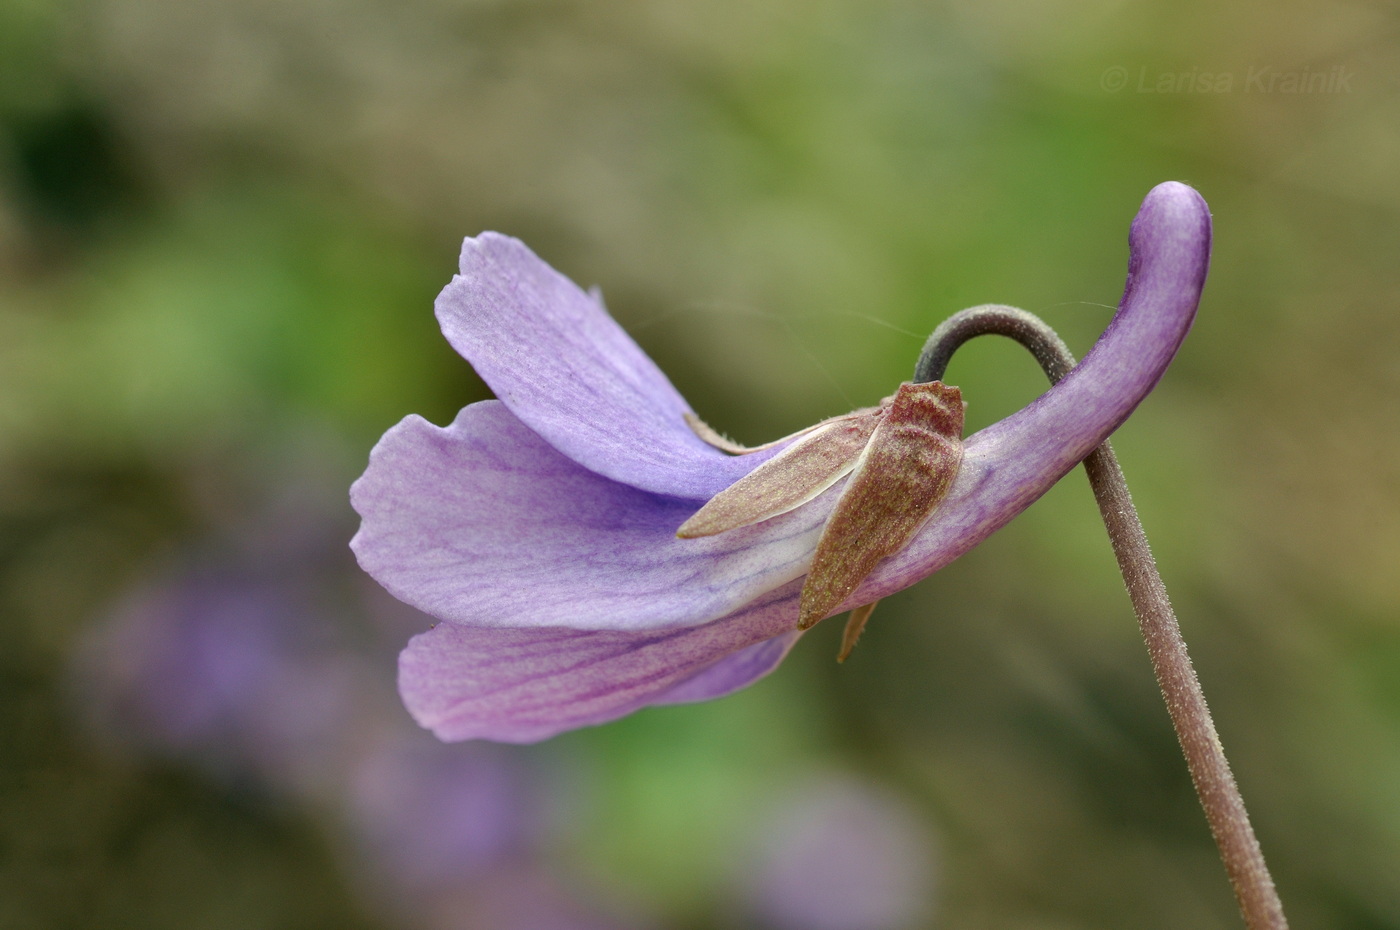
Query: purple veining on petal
(564, 367)
(483, 523)
(733, 672)
(524, 685)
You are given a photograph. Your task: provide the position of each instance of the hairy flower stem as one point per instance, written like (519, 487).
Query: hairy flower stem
(1205, 758)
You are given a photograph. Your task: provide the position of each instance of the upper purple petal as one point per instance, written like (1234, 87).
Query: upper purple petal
(564, 367)
(524, 685)
(484, 523)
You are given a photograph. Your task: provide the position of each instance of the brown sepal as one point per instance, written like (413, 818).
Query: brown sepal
(905, 471)
(855, 625)
(789, 479)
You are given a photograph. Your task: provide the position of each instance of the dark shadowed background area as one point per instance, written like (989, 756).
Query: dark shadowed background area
(222, 226)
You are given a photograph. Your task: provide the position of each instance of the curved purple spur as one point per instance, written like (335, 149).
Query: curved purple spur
(540, 528)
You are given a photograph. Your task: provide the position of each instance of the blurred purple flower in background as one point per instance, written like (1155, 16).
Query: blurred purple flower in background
(267, 666)
(430, 816)
(218, 662)
(541, 527)
(835, 853)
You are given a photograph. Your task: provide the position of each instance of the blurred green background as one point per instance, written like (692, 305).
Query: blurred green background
(222, 225)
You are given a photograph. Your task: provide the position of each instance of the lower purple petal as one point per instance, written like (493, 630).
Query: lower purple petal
(730, 674)
(525, 685)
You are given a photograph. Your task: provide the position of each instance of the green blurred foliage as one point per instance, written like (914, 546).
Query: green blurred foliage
(222, 225)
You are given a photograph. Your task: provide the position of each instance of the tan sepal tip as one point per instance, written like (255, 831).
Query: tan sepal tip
(855, 625)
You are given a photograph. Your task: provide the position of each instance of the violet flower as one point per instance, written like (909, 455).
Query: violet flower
(541, 527)
(233, 662)
(431, 819)
(833, 852)
(220, 663)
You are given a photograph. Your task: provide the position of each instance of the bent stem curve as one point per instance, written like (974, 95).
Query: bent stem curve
(1205, 757)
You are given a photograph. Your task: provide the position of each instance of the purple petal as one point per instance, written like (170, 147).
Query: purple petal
(730, 674)
(484, 523)
(564, 367)
(524, 685)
